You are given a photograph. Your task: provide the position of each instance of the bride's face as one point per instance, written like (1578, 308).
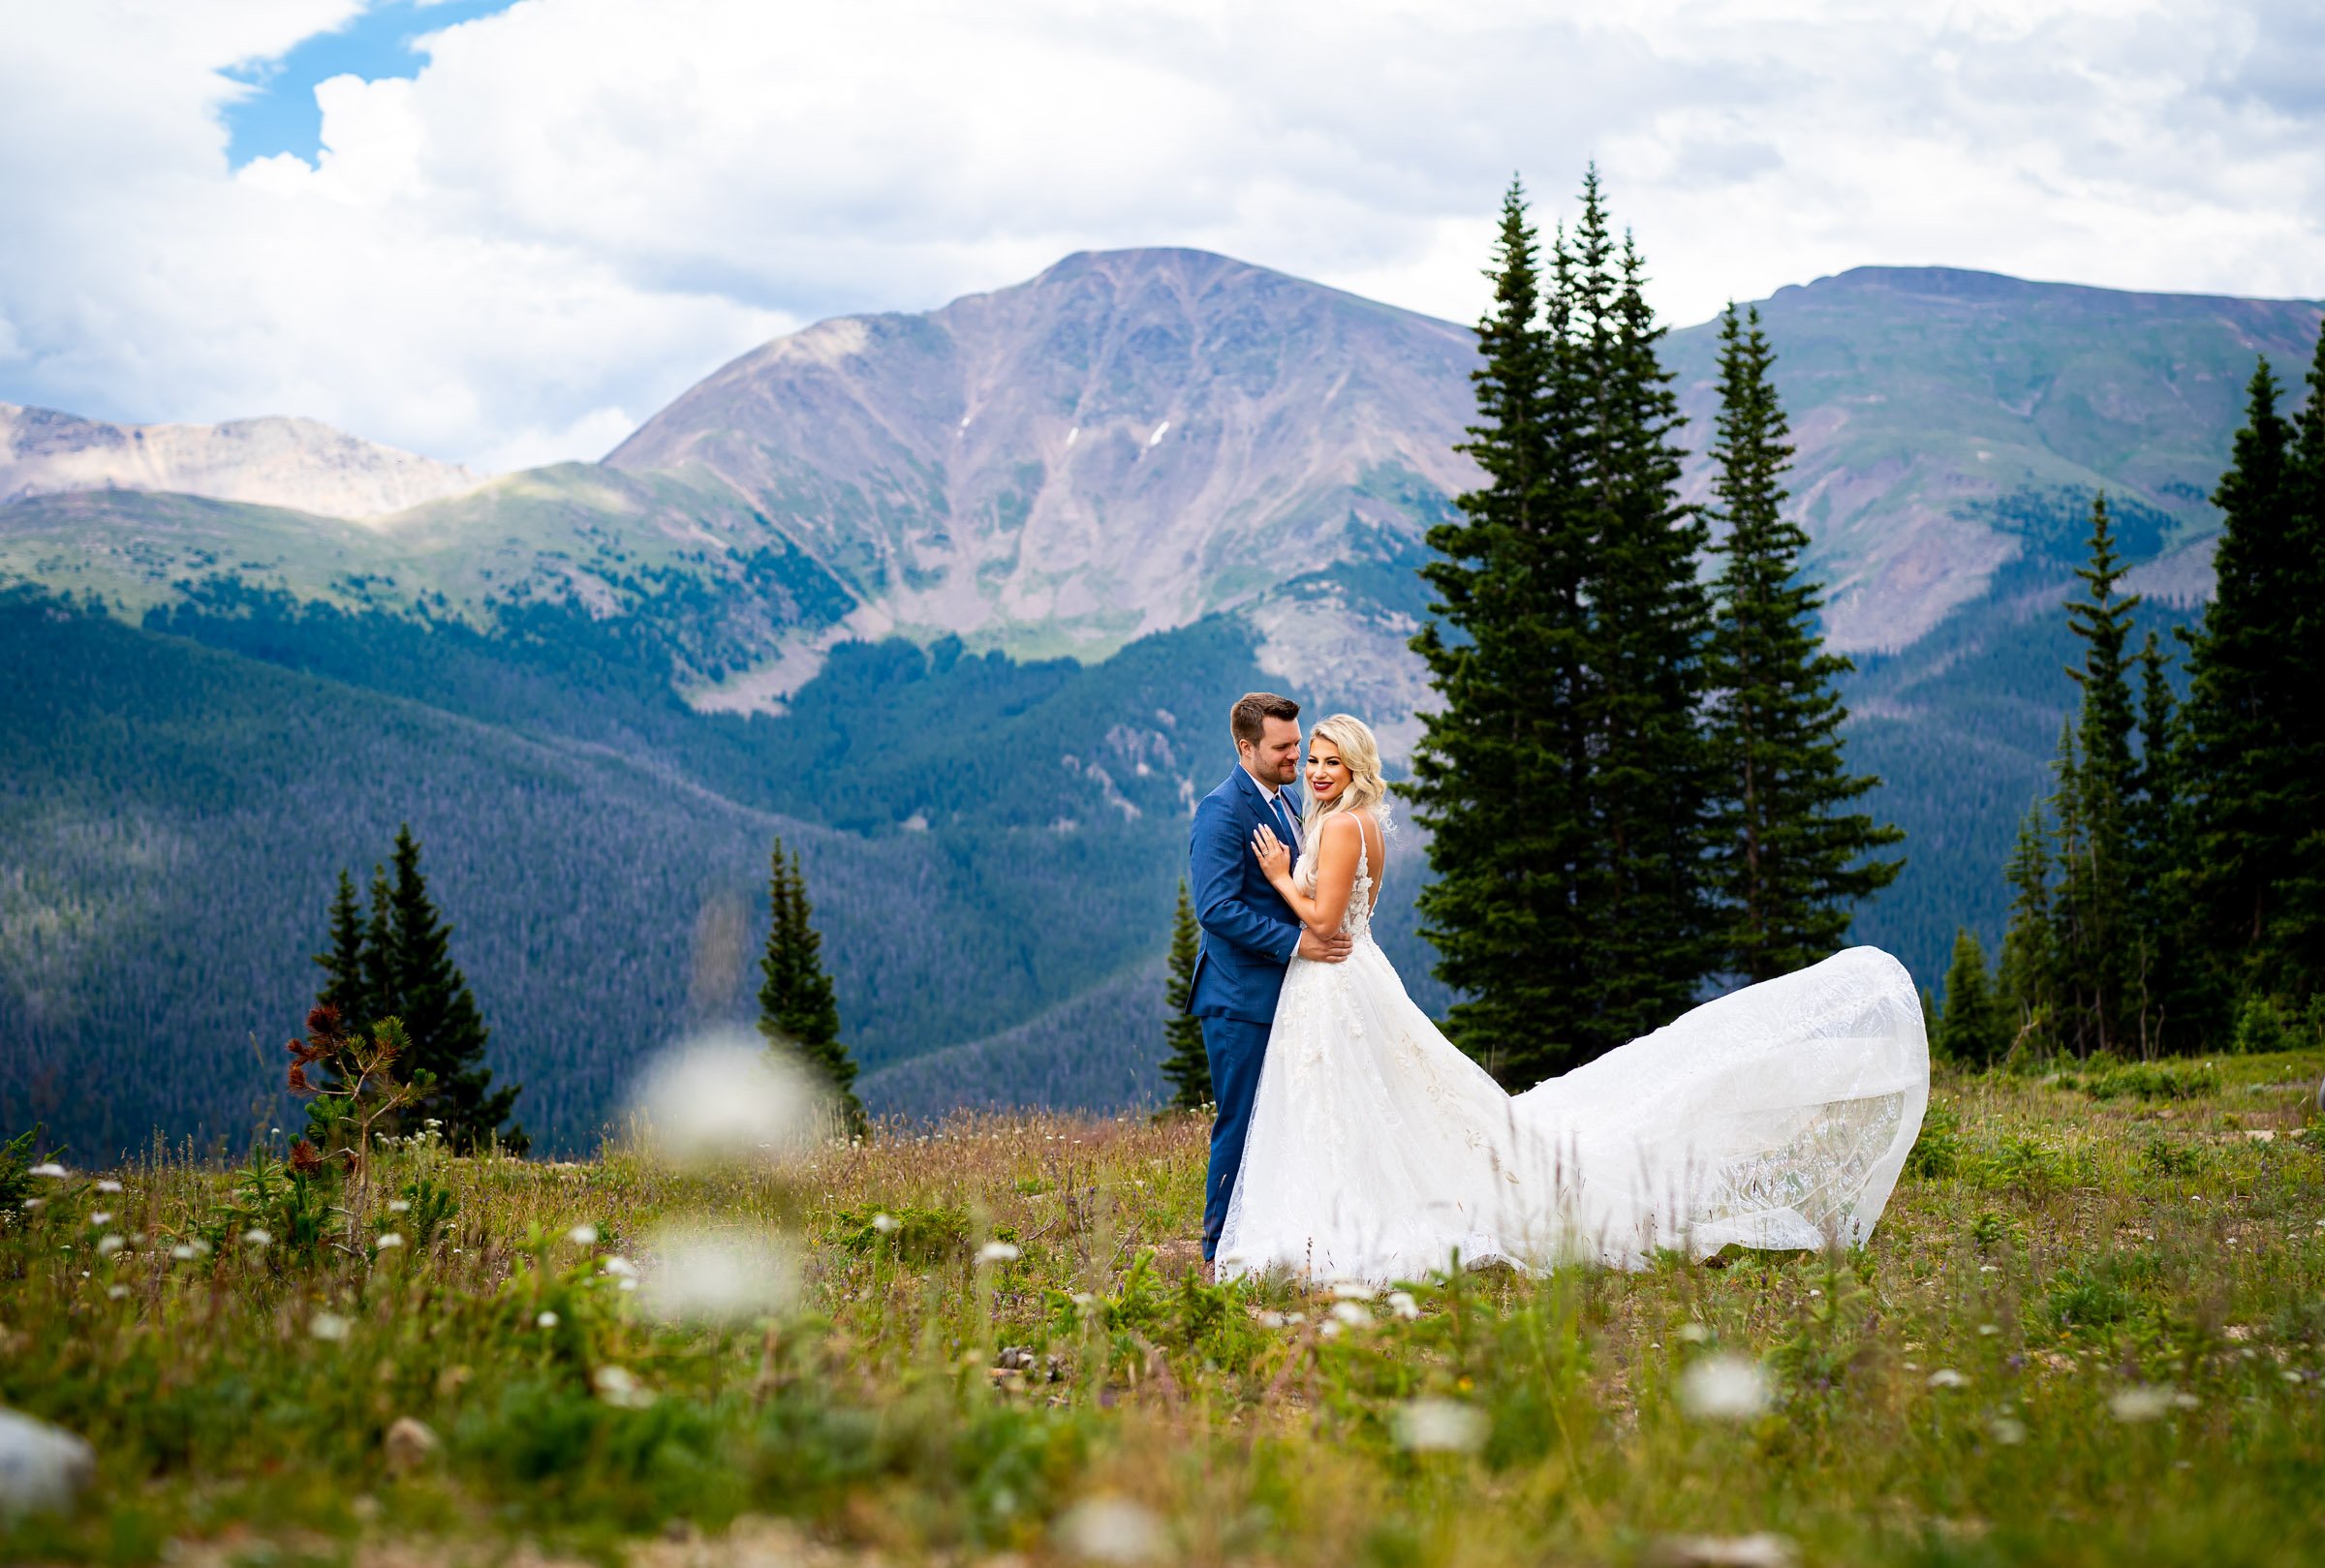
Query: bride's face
(1327, 774)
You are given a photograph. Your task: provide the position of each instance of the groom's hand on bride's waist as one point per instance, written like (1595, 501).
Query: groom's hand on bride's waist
(1325, 949)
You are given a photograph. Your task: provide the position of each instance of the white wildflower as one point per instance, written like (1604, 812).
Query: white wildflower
(389, 1240)
(546, 1320)
(184, 1252)
(31, 1204)
(1947, 1377)
(583, 1235)
(100, 1218)
(327, 1326)
(618, 1386)
(255, 1236)
(116, 1292)
(1986, 1330)
(621, 1268)
(1400, 1303)
(1723, 1388)
(1112, 1529)
(2145, 1403)
(1351, 1314)
(108, 1184)
(1441, 1426)
(718, 1276)
(107, 1246)
(48, 1168)
(2009, 1430)
(727, 1100)
(1694, 1334)
(887, 1223)
(1271, 1320)
(1351, 1290)
(399, 1206)
(996, 1252)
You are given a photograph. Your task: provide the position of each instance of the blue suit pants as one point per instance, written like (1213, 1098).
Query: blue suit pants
(1236, 1048)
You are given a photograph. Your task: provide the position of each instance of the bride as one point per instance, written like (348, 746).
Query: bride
(1776, 1117)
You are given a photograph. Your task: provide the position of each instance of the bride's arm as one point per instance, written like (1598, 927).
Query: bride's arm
(1335, 872)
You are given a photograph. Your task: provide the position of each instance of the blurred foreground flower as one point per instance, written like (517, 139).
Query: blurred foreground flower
(1947, 1377)
(2145, 1403)
(1441, 1426)
(717, 1276)
(327, 1326)
(996, 1252)
(726, 1098)
(1112, 1529)
(1723, 1388)
(40, 1466)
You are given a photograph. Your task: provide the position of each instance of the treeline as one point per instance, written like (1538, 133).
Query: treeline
(2168, 893)
(1635, 783)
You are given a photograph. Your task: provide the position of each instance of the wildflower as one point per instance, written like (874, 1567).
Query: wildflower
(1351, 1314)
(188, 1251)
(327, 1326)
(1083, 1301)
(546, 1320)
(1400, 1303)
(1947, 1377)
(100, 1218)
(709, 1277)
(1271, 1320)
(2007, 1431)
(50, 1168)
(2143, 1403)
(108, 1184)
(256, 1237)
(305, 1158)
(398, 1206)
(885, 1223)
(583, 1235)
(1986, 1330)
(107, 1246)
(388, 1241)
(621, 1268)
(1112, 1529)
(1694, 1334)
(619, 1386)
(1351, 1290)
(117, 1293)
(31, 1204)
(996, 1252)
(1439, 1427)
(728, 1097)
(1723, 1388)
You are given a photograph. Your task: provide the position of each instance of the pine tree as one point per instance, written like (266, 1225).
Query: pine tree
(2299, 945)
(440, 1016)
(1972, 1029)
(1497, 776)
(2027, 991)
(2154, 824)
(2097, 950)
(344, 988)
(1792, 863)
(2243, 685)
(396, 962)
(1187, 1066)
(1649, 915)
(796, 1004)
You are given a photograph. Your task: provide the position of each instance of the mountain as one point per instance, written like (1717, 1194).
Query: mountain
(955, 601)
(276, 462)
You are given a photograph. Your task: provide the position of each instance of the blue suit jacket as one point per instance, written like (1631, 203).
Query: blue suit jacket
(1249, 931)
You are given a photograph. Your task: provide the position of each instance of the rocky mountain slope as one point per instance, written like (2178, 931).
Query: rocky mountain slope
(273, 462)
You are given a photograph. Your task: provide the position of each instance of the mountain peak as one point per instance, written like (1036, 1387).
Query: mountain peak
(273, 461)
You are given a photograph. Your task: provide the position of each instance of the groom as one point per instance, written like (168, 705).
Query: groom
(1249, 933)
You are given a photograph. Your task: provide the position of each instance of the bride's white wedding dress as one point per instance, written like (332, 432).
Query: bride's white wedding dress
(1776, 1117)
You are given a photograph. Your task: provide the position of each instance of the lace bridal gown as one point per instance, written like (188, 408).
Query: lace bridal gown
(1776, 1117)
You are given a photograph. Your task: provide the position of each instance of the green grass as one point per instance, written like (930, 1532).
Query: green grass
(2087, 1331)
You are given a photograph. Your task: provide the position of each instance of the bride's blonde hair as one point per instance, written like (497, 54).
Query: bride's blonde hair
(1367, 790)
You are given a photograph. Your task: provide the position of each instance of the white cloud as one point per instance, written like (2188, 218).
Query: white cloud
(579, 206)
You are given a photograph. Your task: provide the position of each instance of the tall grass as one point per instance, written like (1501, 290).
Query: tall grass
(2087, 1331)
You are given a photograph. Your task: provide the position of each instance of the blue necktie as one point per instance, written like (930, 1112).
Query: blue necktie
(1291, 840)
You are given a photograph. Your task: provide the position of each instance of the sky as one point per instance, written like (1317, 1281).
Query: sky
(505, 231)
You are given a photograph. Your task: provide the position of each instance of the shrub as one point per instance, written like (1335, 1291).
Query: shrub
(2153, 1081)
(1938, 1149)
(922, 1236)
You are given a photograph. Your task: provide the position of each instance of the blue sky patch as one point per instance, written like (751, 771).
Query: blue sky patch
(281, 115)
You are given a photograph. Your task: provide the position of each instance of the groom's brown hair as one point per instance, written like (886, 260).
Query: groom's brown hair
(1247, 720)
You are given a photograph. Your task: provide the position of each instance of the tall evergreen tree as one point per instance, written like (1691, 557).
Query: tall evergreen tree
(440, 1016)
(796, 1002)
(2300, 942)
(1791, 861)
(1499, 773)
(1187, 1069)
(1973, 1029)
(2155, 828)
(396, 962)
(2244, 677)
(2098, 935)
(1653, 924)
(343, 962)
(2025, 979)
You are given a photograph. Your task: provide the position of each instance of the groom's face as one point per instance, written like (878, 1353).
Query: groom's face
(1276, 759)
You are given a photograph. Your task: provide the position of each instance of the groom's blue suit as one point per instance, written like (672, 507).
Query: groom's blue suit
(1250, 935)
